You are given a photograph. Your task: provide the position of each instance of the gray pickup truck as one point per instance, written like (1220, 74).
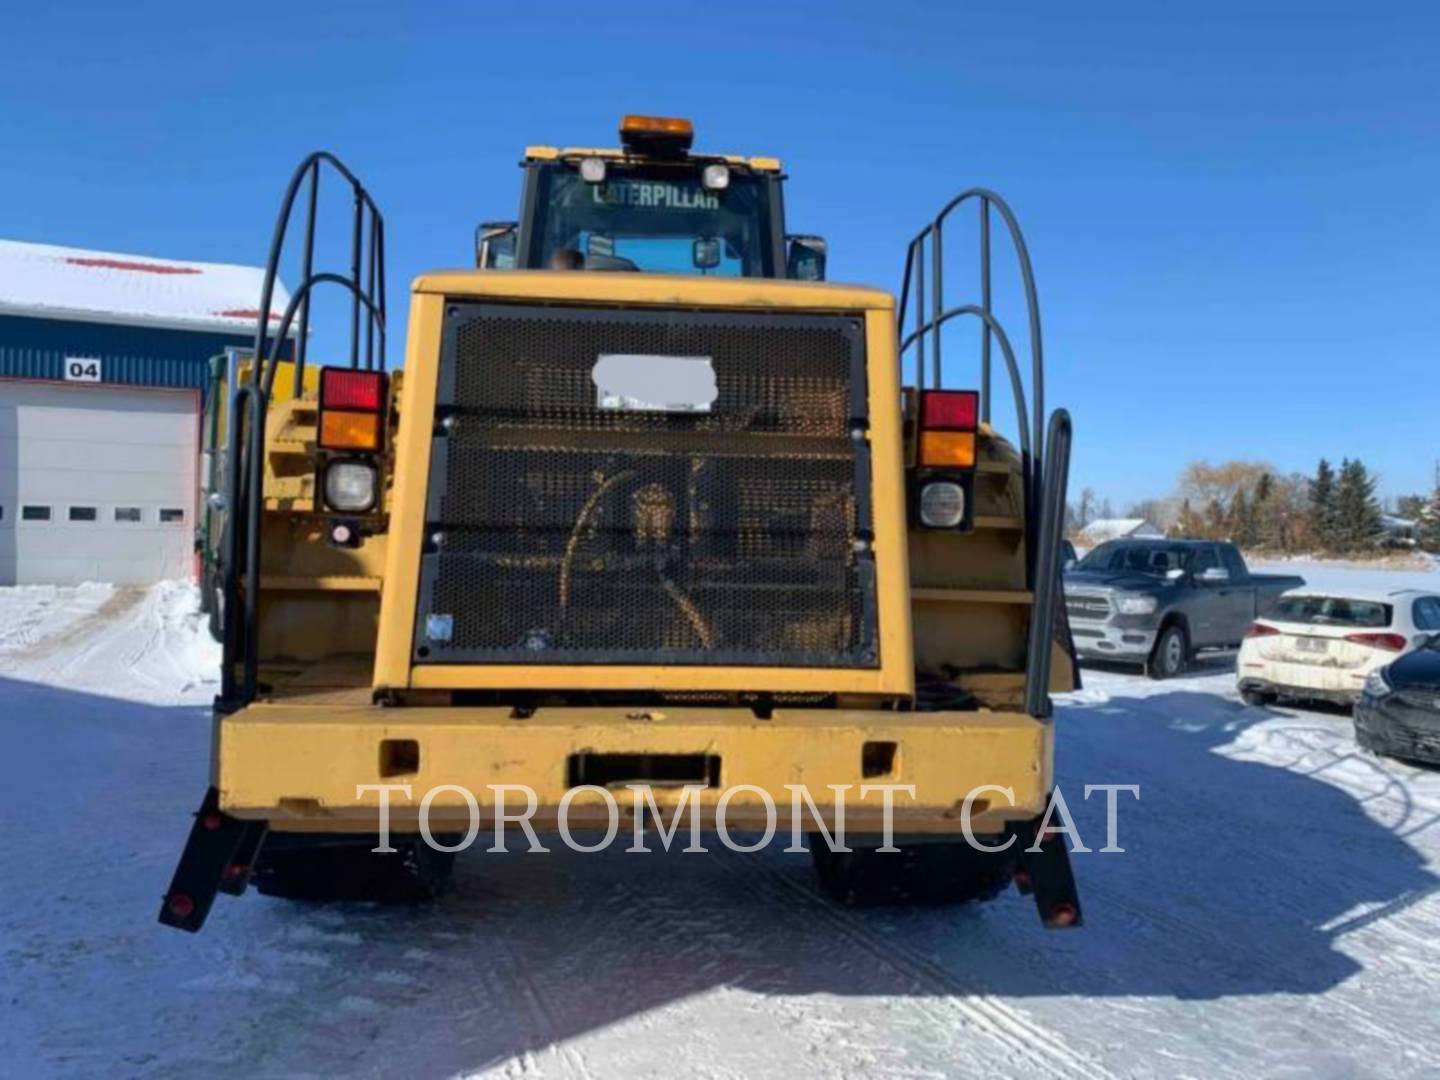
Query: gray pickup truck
(1158, 602)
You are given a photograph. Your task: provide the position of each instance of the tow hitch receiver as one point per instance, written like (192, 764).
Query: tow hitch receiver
(218, 857)
(1046, 874)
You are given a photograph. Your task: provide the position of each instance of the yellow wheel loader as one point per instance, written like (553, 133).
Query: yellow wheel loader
(650, 510)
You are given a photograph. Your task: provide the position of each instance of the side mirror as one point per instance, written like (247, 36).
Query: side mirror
(805, 258)
(495, 245)
(1214, 575)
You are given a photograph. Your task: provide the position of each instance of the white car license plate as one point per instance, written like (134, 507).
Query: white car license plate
(1312, 645)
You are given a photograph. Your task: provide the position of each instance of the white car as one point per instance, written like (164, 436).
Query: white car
(1323, 644)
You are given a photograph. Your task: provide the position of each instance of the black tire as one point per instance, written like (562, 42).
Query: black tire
(938, 873)
(1171, 655)
(1258, 698)
(319, 868)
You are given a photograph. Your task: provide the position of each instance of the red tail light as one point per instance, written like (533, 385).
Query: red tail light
(1259, 629)
(344, 388)
(949, 410)
(351, 404)
(1389, 642)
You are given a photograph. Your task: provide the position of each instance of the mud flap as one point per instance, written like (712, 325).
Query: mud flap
(218, 857)
(1045, 873)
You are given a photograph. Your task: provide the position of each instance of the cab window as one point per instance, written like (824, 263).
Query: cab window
(653, 218)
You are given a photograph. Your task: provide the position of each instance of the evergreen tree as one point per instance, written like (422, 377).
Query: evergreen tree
(1356, 523)
(1242, 521)
(1430, 523)
(1264, 527)
(1215, 526)
(1411, 507)
(1322, 506)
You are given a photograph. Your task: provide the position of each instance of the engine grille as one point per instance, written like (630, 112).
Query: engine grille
(561, 532)
(1086, 606)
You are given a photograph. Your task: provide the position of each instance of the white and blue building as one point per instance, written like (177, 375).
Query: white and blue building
(104, 360)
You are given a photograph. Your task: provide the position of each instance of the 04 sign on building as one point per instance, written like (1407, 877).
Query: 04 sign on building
(82, 369)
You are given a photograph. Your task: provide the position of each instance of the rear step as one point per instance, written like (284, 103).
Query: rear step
(218, 857)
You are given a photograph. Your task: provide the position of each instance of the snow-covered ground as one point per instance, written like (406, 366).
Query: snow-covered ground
(1275, 912)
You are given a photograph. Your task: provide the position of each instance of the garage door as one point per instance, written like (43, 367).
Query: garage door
(97, 483)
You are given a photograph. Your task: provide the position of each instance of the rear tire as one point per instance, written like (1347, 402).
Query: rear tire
(1171, 654)
(294, 869)
(1257, 698)
(939, 873)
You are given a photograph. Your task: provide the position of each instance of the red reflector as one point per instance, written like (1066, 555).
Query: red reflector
(1259, 629)
(342, 388)
(1063, 914)
(949, 410)
(1390, 642)
(180, 905)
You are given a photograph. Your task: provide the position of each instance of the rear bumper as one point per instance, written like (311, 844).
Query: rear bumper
(1315, 681)
(298, 767)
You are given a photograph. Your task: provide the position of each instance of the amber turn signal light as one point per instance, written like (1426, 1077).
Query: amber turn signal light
(349, 430)
(947, 449)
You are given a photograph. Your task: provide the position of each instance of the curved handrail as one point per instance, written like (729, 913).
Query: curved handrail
(310, 167)
(301, 297)
(934, 231)
(250, 403)
(993, 325)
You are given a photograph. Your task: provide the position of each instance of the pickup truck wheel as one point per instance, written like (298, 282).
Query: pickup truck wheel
(1170, 655)
(938, 873)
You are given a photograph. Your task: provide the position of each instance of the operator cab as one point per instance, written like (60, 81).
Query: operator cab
(651, 207)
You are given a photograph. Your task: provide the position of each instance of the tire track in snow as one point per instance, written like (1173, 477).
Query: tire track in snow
(1040, 1047)
(539, 1011)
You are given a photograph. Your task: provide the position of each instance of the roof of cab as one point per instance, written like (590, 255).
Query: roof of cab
(553, 153)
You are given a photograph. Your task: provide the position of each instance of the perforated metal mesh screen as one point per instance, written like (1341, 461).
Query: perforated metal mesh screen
(561, 532)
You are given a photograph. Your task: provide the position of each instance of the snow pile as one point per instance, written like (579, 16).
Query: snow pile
(184, 656)
(147, 645)
(31, 614)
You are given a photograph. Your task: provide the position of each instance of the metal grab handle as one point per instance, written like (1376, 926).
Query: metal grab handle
(1047, 567)
(241, 417)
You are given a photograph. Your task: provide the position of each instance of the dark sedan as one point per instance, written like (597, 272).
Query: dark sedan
(1398, 713)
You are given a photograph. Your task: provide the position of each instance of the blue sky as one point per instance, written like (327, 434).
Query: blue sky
(1233, 209)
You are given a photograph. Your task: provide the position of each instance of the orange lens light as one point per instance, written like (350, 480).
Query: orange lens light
(349, 430)
(657, 125)
(947, 449)
(660, 136)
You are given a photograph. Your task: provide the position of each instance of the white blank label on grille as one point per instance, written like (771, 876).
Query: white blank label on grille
(641, 382)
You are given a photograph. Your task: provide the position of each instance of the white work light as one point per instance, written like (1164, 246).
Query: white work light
(715, 177)
(942, 504)
(350, 486)
(592, 170)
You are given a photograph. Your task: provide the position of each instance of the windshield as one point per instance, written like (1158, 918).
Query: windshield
(1156, 559)
(654, 218)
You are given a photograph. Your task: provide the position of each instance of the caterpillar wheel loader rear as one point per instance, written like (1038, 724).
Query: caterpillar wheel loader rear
(649, 504)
